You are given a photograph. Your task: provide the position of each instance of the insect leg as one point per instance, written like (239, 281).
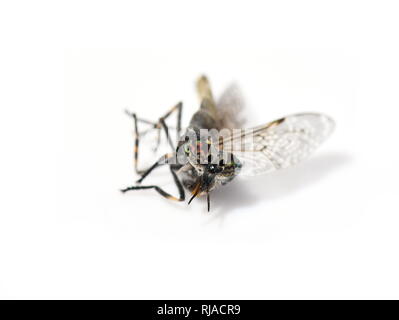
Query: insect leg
(137, 137)
(160, 125)
(161, 191)
(178, 107)
(160, 162)
(136, 145)
(131, 114)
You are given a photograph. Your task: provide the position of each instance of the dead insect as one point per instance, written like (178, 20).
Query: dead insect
(212, 151)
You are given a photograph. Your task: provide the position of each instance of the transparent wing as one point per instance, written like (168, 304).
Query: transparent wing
(230, 106)
(278, 144)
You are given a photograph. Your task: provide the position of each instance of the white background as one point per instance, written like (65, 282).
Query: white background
(327, 228)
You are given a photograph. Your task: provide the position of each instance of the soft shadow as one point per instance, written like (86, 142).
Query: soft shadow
(245, 192)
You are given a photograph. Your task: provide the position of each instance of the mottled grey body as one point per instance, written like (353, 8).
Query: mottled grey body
(207, 117)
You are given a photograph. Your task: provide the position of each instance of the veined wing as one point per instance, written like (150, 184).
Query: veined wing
(278, 144)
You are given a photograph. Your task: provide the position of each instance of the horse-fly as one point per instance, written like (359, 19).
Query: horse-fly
(212, 151)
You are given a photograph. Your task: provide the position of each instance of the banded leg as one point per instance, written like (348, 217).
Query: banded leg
(153, 125)
(136, 144)
(156, 125)
(178, 107)
(162, 124)
(161, 191)
(137, 138)
(162, 161)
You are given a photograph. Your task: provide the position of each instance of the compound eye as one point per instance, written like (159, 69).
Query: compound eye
(186, 149)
